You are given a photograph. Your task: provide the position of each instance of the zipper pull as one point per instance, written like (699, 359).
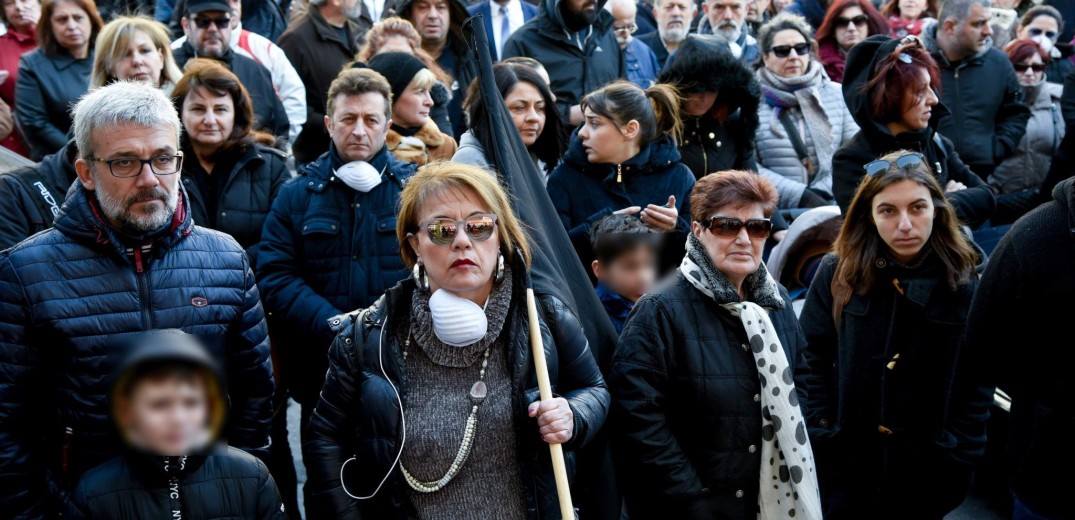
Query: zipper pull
(619, 174)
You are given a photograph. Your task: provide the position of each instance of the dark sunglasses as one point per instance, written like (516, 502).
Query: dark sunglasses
(1036, 67)
(1034, 31)
(857, 20)
(221, 23)
(728, 227)
(442, 231)
(782, 51)
(881, 166)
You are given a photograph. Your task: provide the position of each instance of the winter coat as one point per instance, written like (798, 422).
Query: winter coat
(47, 88)
(777, 160)
(225, 483)
(326, 248)
(1017, 326)
(686, 422)
(574, 72)
(470, 152)
(420, 146)
(885, 413)
(315, 49)
(33, 195)
(12, 46)
(1027, 167)
(653, 40)
(269, 114)
(641, 63)
(988, 115)
(973, 205)
(252, 185)
(70, 294)
(359, 413)
(833, 58)
(812, 10)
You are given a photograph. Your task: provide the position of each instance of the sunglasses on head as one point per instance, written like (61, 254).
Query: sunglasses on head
(1036, 67)
(881, 166)
(204, 22)
(1034, 31)
(728, 227)
(858, 20)
(783, 51)
(442, 231)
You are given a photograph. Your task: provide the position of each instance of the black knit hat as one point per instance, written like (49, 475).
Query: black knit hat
(398, 68)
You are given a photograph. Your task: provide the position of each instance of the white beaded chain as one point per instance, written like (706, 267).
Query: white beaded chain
(478, 393)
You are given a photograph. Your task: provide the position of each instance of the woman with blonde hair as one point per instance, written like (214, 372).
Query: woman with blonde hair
(414, 136)
(134, 48)
(429, 404)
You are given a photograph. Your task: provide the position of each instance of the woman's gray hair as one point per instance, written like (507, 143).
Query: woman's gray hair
(783, 22)
(119, 103)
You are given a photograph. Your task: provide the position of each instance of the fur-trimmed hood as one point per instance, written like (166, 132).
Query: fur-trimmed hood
(706, 64)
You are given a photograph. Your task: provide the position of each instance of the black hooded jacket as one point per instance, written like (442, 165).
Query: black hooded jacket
(33, 195)
(704, 64)
(973, 205)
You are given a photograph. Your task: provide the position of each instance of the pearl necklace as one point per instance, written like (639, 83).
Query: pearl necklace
(478, 392)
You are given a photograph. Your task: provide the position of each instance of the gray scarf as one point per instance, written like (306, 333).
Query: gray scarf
(801, 92)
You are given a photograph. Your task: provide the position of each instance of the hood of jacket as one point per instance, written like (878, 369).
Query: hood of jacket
(706, 64)
(861, 64)
(1064, 195)
(553, 19)
(652, 159)
(929, 39)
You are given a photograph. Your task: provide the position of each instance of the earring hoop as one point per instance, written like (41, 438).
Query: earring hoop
(498, 276)
(420, 278)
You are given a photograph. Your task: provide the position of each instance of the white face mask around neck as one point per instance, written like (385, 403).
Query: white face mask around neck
(359, 175)
(457, 321)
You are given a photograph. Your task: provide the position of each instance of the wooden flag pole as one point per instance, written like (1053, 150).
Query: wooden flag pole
(563, 490)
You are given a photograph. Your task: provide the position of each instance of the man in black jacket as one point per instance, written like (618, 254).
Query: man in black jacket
(32, 195)
(573, 39)
(123, 257)
(207, 25)
(979, 86)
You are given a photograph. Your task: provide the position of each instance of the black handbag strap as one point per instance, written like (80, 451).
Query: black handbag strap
(796, 140)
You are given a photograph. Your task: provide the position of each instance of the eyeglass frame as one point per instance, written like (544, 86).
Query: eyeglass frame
(143, 162)
(786, 49)
(707, 223)
(860, 19)
(631, 29)
(458, 223)
(882, 166)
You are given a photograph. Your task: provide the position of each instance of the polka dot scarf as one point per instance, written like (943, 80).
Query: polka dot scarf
(788, 479)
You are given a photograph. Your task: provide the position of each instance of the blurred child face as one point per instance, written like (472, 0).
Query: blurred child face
(631, 275)
(167, 416)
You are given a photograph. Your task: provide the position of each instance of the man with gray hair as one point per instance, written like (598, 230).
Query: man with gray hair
(123, 257)
(727, 19)
(673, 25)
(979, 86)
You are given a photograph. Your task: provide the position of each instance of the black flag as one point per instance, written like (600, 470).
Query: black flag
(556, 268)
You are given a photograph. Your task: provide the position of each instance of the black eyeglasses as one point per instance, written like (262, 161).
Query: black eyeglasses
(1034, 31)
(857, 20)
(442, 231)
(783, 51)
(128, 167)
(881, 166)
(221, 23)
(1036, 67)
(728, 227)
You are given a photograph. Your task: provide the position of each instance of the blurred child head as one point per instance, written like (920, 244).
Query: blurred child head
(625, 255)
(167, 399)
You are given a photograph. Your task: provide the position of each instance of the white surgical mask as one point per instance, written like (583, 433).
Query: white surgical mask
(359, 175)
(457, 321)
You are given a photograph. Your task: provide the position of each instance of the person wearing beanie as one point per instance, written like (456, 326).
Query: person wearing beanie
(413, 136)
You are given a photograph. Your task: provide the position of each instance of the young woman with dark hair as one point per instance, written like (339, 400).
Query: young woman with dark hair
(846, 23)
(891, 90)
(532, 108)
(887, 411)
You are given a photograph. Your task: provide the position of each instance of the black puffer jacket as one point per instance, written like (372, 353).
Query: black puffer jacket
(704, 64)
(358, 414)
(856, 385)
(68, 295)
(973, 205)
(1020, 325)
(574, 72)
(686, 423)
(30, 209)
(252, 185)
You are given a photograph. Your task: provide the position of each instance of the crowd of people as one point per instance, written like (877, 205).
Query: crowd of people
(829, 235)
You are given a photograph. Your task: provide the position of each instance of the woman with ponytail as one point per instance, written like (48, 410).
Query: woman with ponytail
(624, 159)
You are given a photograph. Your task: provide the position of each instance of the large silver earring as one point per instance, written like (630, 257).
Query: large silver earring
(420, 277)
(498, 276)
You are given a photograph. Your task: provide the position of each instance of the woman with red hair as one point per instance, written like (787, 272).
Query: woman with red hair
(847, 23)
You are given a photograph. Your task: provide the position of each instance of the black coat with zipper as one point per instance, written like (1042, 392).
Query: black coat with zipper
(29, 207)
(895, 432)
(358, 414)
(252, 185)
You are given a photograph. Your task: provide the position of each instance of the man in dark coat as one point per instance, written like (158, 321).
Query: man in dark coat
(978, 84)
(33, 195)
(329, 244)
(673, 25)
(319, 45)
(123, 257)
(207, 26)
(440, 22)
(573, 39)
(728, 19)
(1018, 328)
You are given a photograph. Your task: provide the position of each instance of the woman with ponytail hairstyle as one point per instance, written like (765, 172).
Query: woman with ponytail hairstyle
(624, 159)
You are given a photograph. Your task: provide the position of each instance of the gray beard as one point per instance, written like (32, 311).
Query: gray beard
(118, 210)
(732, 35)
(673, 35)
